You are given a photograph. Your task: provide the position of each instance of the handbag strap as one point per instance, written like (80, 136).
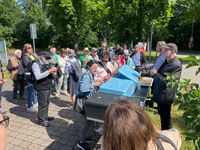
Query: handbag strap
(164, 138)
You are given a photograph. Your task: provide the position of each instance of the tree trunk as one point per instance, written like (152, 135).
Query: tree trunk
(76, 45)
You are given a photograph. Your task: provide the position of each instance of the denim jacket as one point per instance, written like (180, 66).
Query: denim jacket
(85, 84)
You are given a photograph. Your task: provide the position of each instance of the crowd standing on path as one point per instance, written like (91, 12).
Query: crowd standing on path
(79, 77)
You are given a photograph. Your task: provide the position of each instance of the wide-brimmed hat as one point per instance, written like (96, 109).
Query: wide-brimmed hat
(71, 53)
(86, 50)
(170, 46)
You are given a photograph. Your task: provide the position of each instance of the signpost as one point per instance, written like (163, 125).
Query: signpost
(33, 34)
(3, 51)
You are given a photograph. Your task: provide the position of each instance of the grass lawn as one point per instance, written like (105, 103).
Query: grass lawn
(177, 122)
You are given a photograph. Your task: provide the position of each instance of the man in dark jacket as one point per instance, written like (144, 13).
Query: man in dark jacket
(162, 93)
(43, 75)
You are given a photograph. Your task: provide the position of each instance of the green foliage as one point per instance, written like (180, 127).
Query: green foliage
(32, 13)
(10, 14)
(188, 100)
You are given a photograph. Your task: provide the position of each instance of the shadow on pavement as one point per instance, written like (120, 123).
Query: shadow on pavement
(21, 112)
(77, 124)
(8, 96)
(60, 102)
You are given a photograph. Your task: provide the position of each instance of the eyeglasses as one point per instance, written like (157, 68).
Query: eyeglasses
(104, 61)
(5, 121)
(29, 47)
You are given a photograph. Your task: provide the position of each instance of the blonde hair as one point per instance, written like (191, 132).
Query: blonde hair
(159, 45)
(26, 47)
(127, 127)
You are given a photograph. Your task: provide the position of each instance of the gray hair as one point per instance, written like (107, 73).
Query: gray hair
(52, 49)
(17, 51)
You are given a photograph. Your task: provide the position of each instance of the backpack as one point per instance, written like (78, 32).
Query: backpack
(77, 72)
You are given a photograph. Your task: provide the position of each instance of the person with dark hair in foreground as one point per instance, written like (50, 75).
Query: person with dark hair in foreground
(128, 127)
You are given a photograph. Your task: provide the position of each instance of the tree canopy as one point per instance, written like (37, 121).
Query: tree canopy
(76, 24)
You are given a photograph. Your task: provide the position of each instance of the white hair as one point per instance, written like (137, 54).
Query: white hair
(17, 51)
(52, 48)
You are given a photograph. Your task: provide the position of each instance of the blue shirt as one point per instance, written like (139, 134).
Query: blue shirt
(136, 59)
(159, 61)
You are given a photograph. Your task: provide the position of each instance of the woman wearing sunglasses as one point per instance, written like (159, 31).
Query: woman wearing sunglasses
(4, 121)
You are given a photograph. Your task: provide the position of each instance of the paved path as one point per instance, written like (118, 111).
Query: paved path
(24, 133)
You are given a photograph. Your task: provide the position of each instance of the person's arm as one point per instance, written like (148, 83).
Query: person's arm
(37, 72)
(26, 61)
(159, 61)
(3, 137)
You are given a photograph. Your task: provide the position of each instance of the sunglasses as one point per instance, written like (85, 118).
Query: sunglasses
(29, 47)
(5, 121)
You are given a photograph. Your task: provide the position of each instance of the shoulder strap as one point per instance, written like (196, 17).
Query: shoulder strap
(165, 139)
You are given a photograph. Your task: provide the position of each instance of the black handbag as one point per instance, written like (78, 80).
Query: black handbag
(59, 72)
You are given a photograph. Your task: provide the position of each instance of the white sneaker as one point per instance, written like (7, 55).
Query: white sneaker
(31, 109)
(35, 105)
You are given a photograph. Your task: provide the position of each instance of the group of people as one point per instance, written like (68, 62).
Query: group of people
(163, 95)
(80, 74)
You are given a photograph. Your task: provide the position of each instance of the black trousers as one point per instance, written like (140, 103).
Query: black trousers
(43, 104)
(164, 110)
(18, 85)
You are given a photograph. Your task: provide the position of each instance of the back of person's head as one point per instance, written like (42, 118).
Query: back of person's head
(63, 51)
(119, 51)
(127, 127)
(160, 45)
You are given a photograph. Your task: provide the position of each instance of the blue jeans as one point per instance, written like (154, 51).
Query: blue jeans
(31, 95)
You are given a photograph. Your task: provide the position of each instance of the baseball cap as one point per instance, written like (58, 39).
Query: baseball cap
(45, 54)
(71, 52)
(170, 46)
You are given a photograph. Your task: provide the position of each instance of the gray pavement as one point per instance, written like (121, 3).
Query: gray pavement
(25, 134)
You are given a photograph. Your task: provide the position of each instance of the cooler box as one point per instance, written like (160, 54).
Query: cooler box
(96, 105)
(117, 86)
(125, 72)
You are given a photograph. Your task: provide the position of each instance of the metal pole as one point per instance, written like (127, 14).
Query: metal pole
(6, 52)
(34, 45)
(150, 45)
